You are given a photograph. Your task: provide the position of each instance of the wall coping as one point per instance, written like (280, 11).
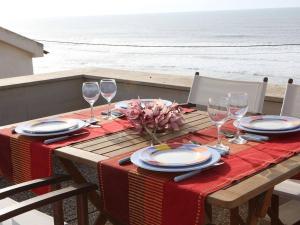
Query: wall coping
(274, 93)
(33, 47)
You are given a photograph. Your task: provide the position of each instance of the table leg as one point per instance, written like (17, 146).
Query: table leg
(274, 211)
(258, 207)
(208, 214)
(78, 178)
(235, 218)
(252, 217)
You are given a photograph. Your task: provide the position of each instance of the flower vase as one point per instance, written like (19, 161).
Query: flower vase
(153, 138)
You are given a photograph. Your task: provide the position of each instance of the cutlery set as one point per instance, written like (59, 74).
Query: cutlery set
(247, 136)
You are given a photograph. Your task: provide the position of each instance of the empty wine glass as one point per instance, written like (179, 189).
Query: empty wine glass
(238, 107)
(217, 109)
(91, 92)
(108, 89)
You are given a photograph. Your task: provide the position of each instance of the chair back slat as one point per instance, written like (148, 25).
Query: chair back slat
(291, 101)
(206, 87)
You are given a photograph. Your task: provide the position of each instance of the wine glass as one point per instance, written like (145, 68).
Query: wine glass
(91, 92)
(217, 109)
(238, 107)
(108, 89)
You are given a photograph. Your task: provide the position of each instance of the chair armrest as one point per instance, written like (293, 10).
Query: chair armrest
(25, 186)
(51, 197)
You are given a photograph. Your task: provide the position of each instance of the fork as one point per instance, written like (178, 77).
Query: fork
(221, 151)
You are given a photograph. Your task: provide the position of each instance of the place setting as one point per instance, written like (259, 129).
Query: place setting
(59, 129)
(257, 128)
(154, 116)
(176, 158)
(54, 129)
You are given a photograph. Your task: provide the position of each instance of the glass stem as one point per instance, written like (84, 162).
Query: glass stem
(109, 110)
(219, 134)
(92, 112)
(238, 131)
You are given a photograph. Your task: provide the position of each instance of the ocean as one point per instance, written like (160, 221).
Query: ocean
(194, 29)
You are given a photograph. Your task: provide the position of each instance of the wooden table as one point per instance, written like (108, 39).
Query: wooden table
(257, 189)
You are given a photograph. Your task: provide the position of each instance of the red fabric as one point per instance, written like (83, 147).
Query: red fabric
(5, 157)
(127, 191)
(23, 158)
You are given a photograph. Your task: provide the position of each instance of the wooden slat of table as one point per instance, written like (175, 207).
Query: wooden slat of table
(121, 134)
(79, 156)
(126, 141)
(123, 150)
(130, 134)
(164, 137)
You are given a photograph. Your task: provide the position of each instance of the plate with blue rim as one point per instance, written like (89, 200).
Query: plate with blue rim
(175, 155)
(50, 127)
(235, 123)
(270, 123)
(136, 159)
(125, 104)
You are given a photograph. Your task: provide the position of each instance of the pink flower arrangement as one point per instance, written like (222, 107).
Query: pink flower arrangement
(154, 116)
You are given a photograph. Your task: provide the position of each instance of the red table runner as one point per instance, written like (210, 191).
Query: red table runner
(23, 158)
(136, 196)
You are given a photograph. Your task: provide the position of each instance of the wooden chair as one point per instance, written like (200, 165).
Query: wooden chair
(290, 188)
(24, 213)
(206, 87)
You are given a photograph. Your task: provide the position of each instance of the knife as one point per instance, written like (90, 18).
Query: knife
(57, 139)
(124, 161)
(114, 113)
(195, 172)
(255, 137)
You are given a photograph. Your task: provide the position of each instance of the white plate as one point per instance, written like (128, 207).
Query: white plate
(266, 131)
(175, 155)
(19, 130)
(270, 122)
(50, 125)
(124, 104)
(135, 159)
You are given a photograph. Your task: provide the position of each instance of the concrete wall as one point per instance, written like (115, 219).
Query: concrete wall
(35, 96)
(30, 101)
(14, 61)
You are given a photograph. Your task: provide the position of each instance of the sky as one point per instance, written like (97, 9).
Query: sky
(18, 9)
